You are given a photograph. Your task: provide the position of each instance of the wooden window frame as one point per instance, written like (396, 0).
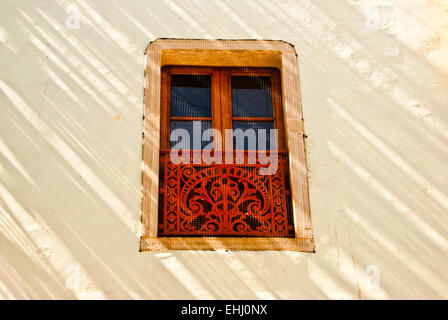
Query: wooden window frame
(178, 53)
(221, 105)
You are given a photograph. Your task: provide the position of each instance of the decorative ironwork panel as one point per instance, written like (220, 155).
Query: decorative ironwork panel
(224, 200)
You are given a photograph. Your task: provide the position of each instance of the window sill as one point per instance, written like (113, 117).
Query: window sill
(226, 243)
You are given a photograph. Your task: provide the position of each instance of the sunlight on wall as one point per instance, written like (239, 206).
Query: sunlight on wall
(185, 277)
(59, 145)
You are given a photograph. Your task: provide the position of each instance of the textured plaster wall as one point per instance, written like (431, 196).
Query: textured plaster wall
(375, 100)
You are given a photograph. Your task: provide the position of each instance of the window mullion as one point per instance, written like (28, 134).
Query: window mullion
(216, 105)
(226, 103)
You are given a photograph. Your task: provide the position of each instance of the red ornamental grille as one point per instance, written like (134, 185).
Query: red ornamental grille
(224, 200)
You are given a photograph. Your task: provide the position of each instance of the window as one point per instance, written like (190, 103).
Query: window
(229, 196)
(218, 147)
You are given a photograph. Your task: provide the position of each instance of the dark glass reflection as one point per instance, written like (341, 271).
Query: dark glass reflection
(190, 96)
(251, 96)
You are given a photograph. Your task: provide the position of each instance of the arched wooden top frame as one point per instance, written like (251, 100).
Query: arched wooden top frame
(224, 53)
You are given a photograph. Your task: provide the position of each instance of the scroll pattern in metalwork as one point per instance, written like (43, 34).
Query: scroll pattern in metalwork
(223, 200)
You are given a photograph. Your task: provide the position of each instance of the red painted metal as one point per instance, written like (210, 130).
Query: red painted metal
(223, 199)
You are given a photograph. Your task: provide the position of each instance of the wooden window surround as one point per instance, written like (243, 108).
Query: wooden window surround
(220, 59)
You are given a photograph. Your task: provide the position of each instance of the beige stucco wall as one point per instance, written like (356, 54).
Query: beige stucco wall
(374, 85)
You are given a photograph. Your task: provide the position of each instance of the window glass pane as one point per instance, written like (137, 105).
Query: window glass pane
(250, 131)
(190, 96)
(185, 137)
(251, 96)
